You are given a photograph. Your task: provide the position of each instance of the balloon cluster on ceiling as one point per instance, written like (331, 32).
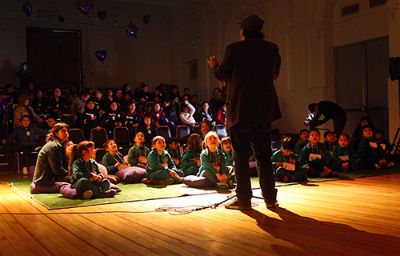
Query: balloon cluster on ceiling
(86, 7)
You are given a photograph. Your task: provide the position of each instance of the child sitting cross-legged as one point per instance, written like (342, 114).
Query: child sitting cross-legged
(117, 165)
(137, 154)
(86, 177)
(160, 166)
(226, 145)
(342, 155)
(284, 163)
(174, 151)
(314, 158)
(213, 163)
(372, 156)
(191, 156)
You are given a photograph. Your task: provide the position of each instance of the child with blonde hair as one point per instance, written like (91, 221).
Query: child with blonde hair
(213, 162)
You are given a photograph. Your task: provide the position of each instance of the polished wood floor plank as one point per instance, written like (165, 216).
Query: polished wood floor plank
(345, 217)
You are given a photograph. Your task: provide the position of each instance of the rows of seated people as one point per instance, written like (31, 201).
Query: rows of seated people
(118, 107)
(156, 112)
(200, 165)
(209, 163)
(308, 157)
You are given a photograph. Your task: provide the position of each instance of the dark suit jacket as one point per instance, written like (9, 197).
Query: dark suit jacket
(248, 68)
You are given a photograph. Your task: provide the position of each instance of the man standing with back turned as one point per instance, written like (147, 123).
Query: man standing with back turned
(250, 67)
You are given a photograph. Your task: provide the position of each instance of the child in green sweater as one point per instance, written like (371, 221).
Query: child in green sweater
(117, 165)
(173, 150)
(372, 156)
(226, 145)
(137, 154)
(284, 163)
(342, 155)
(314, 158)
(86, 177)
(191, 156)
(213, 162)
(160, 165)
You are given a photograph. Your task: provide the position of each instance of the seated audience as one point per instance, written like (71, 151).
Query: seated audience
(213, 163)
(191, 157)
(160, 167)
(86, 176)
(284, 163)
(303, 140)
(116, 165)
(174, 151)
(51, 170)
(314, 158)
(187, 115)
(342, 155)
(372, 156)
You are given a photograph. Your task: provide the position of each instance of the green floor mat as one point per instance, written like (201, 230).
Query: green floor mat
(130, 193)
(139, 192)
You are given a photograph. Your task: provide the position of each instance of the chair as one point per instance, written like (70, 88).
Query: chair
(99, 136)
(100, 152)
(182, 131)
(76, 135)
(121, 137)
(148, 107)
(164, 131)
(68, 119)
(220, 129)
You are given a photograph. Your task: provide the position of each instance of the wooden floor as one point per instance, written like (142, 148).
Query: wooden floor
(348, 217)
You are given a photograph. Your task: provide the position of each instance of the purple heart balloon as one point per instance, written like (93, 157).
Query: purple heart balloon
(131, 30)
(86, 6)
(27, 8)
(101, 55)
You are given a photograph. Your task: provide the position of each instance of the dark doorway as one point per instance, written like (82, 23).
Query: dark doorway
(362, 71)
(54, 57)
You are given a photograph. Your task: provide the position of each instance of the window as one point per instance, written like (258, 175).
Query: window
(350, 9)
(375, 3)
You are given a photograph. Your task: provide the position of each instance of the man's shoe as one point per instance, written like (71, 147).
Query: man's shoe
(236, 205)
(87, 194)
(272, 206)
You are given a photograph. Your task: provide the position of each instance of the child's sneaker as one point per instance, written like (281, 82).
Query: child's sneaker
(222, 185)
(113, 179)
(109, 193)
(87, 194)
(146, 181)
(175, 176)
(166, 182)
